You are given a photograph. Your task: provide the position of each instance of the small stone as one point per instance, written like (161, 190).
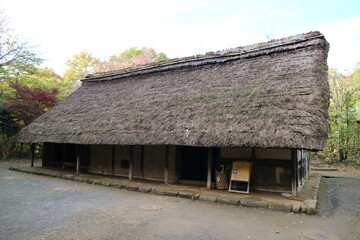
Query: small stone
(145, 189)
(231, 201)
(254, 203)
(116, 185)
(106, 184)
(157, 191)
(296, 208)
(311, 210)
(284, 207)
(185, 195)
(208, 198)
(171, 193)
(133, 188)
(303, 209)
(195, 197)
(96, 182)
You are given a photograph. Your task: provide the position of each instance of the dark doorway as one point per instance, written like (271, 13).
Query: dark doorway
(194, 163)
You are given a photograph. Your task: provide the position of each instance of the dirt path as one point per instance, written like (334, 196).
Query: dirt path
(34, 207)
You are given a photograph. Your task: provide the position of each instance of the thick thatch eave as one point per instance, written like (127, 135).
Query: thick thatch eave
(272, 95)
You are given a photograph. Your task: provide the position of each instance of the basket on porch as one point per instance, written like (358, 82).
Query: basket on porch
(221, 179)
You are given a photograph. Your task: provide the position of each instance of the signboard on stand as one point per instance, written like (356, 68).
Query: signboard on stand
(240, 173)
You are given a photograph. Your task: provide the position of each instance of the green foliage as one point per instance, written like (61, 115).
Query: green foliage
(46, 78)
(80, 66)
(84, 63)
(26, 91)
(8, 126)
(344, 138)
(130, 58)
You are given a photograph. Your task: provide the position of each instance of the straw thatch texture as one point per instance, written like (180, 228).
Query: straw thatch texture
(272, 95)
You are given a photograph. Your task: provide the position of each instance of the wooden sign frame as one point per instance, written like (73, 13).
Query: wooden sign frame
(240, 172)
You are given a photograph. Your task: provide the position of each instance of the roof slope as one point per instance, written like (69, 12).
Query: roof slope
(272, 94)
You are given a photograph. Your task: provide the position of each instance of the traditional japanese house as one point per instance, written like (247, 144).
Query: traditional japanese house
(178, 120)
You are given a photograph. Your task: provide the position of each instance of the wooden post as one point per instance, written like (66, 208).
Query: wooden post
(32, 152)
(166, 165)
(131, 161)
(294, 175)
(253, 166)
(142, 152)
(178, 159)
(113, 159)
(77, 159)
(209, 162)
(64, 156)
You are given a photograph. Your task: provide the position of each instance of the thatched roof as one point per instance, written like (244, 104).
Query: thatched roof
(272, 95)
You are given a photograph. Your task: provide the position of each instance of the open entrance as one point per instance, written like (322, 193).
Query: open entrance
(194, 163)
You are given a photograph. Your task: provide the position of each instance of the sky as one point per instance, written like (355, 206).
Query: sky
(61, 28)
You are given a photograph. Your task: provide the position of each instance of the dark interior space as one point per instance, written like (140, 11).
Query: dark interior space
(84, 152)
(194, 163)
(70, 153)
(273, 174)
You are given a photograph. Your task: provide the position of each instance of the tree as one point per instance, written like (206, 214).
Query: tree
(84, 63)
(45, 78)
(80, 66)
(8, 127)
(26, 104)
(18, 63)
(344, 137)
(16, 57)
(130, 58)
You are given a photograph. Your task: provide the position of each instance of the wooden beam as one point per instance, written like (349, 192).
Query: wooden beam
(64, 156)
(142, 154)
(253, 166)
(113, 159)
(166, 165)
(209, 165)
(77, 158)
(131, 161)
(294, 175)
(32, 152)
(178, 160)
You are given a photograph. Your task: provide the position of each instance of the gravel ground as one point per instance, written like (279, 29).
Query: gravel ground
(35, 207)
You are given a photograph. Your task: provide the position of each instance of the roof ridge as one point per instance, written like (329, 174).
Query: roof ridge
(227, 53)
